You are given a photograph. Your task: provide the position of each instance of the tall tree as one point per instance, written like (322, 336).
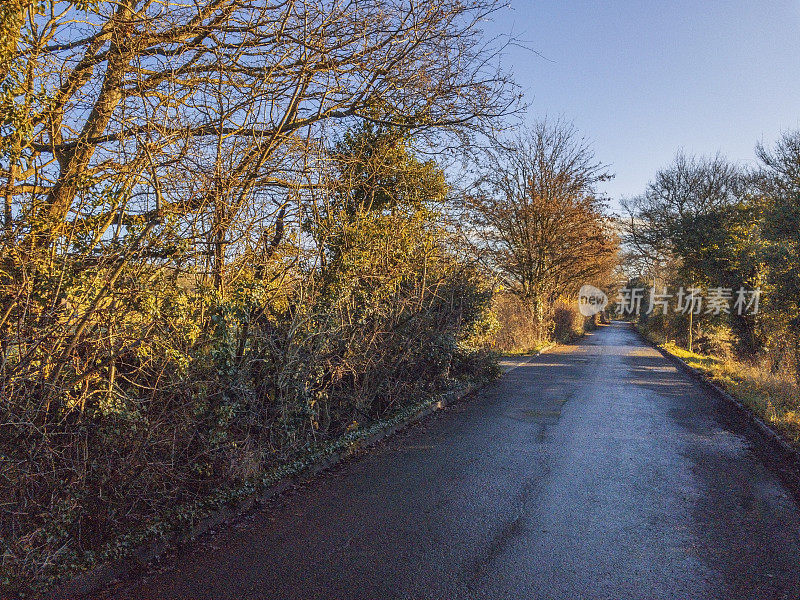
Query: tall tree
(696, 223)
(683, 208)
(779, 184)
(539, 221)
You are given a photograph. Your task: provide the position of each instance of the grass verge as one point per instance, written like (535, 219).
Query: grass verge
(535, 349)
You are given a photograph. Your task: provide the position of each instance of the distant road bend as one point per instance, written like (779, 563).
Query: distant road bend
(593, 471)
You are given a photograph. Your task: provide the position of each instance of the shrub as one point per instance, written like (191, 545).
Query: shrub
(568, 323)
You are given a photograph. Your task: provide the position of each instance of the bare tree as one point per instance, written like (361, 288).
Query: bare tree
(149, 134)
(667, 221)
(538, 219)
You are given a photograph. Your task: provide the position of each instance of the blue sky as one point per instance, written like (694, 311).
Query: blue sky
(644, 79)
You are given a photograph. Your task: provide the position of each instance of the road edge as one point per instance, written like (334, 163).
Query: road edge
(105, 573)
(774, 449)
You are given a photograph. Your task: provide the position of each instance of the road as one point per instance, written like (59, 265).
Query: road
(592, 471)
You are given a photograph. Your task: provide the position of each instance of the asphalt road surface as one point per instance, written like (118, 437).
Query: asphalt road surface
(592, 471)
